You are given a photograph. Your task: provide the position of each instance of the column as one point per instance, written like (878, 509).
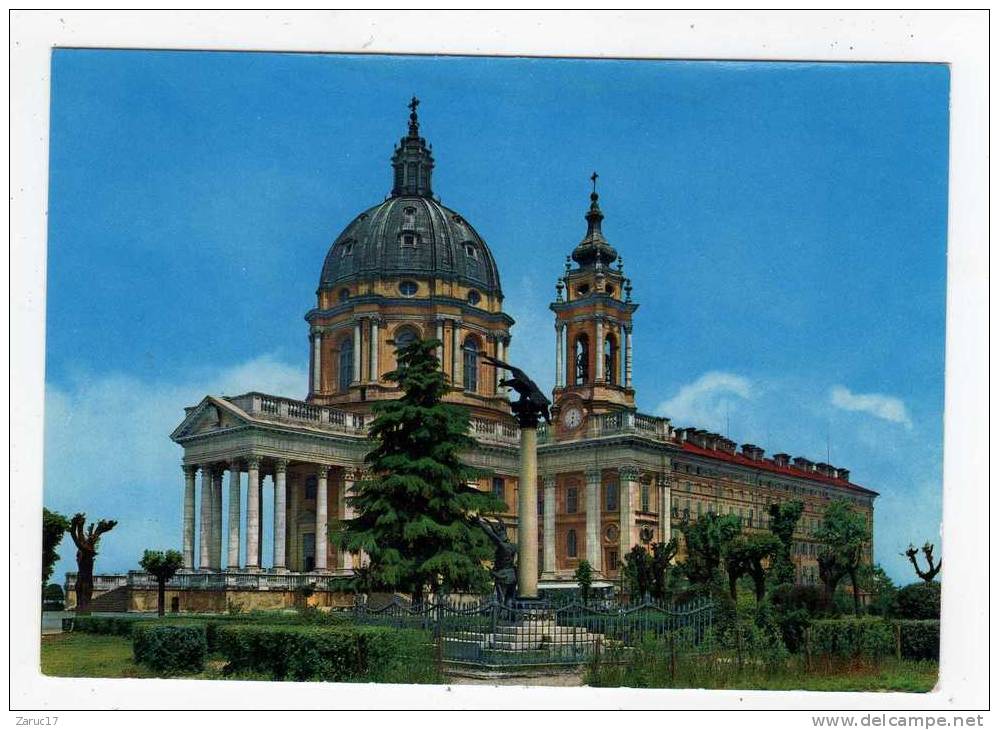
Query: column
(527, 513)
(317, 361)
(627, 358)
(373, 352)
(292, 550)
(629, 484)
(322, 517)
(235, 489)
(440, 338)
(253, 514)
(548, 566)
(357, 352)
(623, 359)
(598, 351)
(188, 536)
(345, 512)
(217, 519)
(456, 381)
(558, 354)
(665, 498)
(280, 515)
(205, 533)
(593, 551)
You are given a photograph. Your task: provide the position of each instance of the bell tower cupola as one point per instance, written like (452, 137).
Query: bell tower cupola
(593, 315)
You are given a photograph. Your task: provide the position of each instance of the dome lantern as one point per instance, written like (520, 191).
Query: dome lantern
(412, 161)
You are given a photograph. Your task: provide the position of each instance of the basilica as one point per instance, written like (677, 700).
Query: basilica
(609, 477)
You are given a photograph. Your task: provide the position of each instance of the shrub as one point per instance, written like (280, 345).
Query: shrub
(918, 601)
(170, 649)
(920, 639)
(106, 625)
(328, 653)
(847, 637)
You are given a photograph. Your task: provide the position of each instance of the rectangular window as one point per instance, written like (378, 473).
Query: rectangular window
(572, 500)
(499, 489)
(645, 497)
(612, 560)
(610, 497)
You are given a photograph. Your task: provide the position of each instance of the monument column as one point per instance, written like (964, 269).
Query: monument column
(205, 532)
(548, 568)
(280, 514)
(593, 551)
(527, 509)
(253, 514)
(322, 517)
(217, 519)
(234, 499)
(629, 485)
(188, 536)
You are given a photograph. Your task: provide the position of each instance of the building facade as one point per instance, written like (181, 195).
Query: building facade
(409, 267)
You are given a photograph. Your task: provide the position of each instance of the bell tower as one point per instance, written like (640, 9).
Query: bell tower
(593, 314)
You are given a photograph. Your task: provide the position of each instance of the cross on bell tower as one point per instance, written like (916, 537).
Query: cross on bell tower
(593, 315)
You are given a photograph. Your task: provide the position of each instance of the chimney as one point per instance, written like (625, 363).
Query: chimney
(843, 474)
(781, 459)
(803, 464)
(825, 469)
(749, 451)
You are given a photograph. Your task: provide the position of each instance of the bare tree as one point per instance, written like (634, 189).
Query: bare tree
(86, 551)
(930, 573)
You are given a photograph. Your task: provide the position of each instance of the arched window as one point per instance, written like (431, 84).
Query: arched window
(403, 337)
(471, 364)
(346, 369)
(610, 359)
(570, 544)
(581, 351)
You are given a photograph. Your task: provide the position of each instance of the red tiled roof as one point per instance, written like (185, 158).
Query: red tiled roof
(770, 466)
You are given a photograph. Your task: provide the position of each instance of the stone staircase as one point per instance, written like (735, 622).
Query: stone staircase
(114, 601)
(530, 635)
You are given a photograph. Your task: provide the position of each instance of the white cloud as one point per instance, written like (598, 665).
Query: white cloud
(706, 401)
(885, 407)
(108, 450)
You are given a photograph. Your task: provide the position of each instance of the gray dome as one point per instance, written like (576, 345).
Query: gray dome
(411, 235)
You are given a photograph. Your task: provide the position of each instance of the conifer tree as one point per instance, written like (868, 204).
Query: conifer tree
(416, 513)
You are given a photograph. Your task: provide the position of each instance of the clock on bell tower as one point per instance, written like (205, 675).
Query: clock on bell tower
(593, 315)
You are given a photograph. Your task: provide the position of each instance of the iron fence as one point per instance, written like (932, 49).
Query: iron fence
(486, 633)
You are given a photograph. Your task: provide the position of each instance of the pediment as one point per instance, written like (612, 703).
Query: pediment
(212, 414)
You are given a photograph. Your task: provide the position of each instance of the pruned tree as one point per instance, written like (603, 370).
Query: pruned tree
(706, 539)
(86, 541)
(637, 571)
(663, 554)
(417, 517)
(749, 555)
(843, 532)
(783, 521)
(831, 571)
(931, 572)
(163, 566)
(54, 526)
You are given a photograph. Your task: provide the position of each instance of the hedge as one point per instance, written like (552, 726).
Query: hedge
(918, 601)
(170, 649)
(107, 625)
(332, 654)
(870, 637)
(919, 639)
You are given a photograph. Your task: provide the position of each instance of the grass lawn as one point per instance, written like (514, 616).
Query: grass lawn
(89, 655)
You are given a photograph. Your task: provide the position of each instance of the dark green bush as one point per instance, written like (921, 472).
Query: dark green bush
(920, 639)
(869, 637)
(106, 625)
(169, 649)
(333, 654)
(918, 601)
(794, 607)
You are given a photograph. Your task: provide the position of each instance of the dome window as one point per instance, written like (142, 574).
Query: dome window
(408, 288)
(408, 239)
(474, 297)
(347, 250)
(471, 251)
(344, 295)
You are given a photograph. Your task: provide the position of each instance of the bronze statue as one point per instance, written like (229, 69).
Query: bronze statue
(504, 562)
(532, 404)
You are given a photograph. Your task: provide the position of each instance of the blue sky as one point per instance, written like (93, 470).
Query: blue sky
(784, 226)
